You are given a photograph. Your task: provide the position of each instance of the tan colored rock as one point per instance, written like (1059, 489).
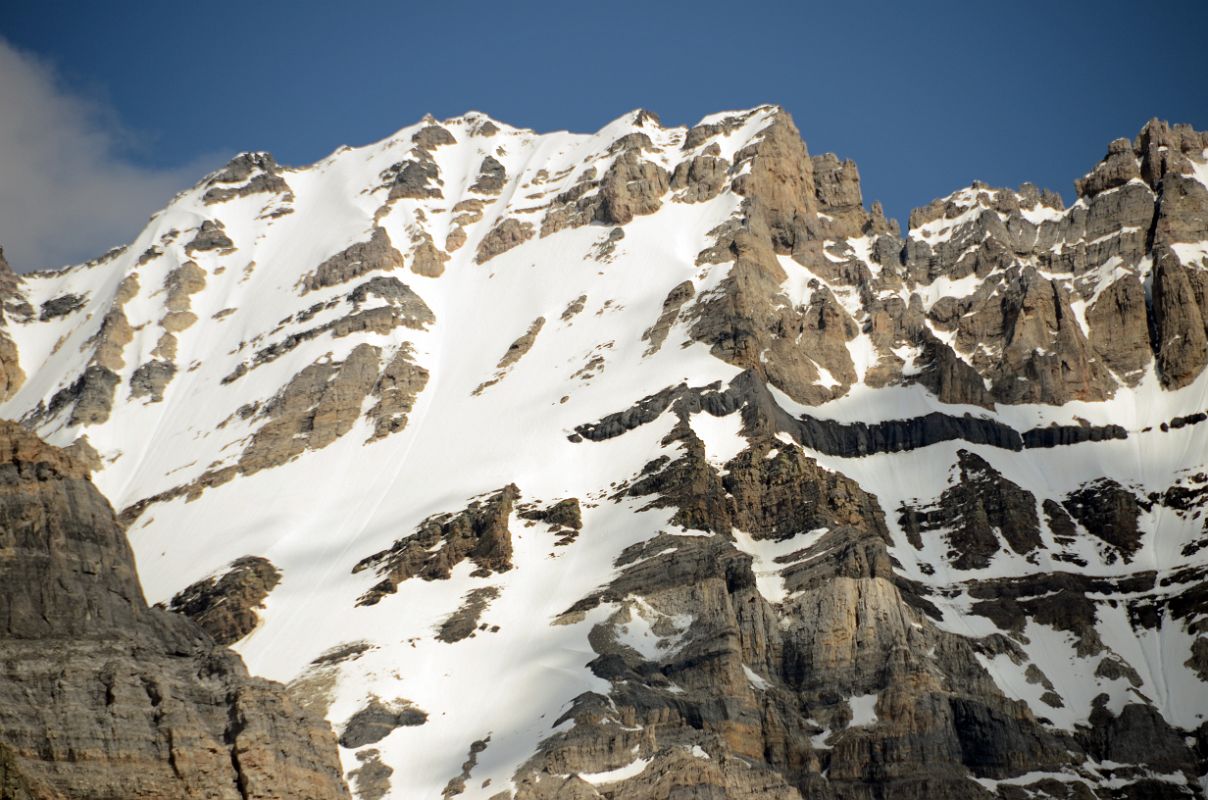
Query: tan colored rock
(355, 261)
(516, 351)
(656, 334)
(210, 237)
(427, 260)
(700, 178)
(631, 187)
(396, 389)
(319, 405)
(11, 374)
(506, 234)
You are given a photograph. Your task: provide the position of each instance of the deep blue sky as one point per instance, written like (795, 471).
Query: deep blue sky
(924, 96)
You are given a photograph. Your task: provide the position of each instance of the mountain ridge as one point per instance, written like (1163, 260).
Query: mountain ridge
(661, 436)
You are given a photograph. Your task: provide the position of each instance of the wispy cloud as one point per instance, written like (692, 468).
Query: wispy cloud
(68, 192)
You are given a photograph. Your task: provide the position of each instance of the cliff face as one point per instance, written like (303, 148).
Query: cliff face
(103, 697)
(650, 463)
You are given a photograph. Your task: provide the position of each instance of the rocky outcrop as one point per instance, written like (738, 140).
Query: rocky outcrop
(1118, 329)
(151, 379)
(61, 306)
(729, 676)
(980, 506)
(103, 697)
(1179, 326)
(376, 720)
(225, 606)
(464, 622)
(478, 534)
(397, 387)
(1110, 512)
(210, 237)
(516, 351)
(630, 186)
(492, 176)
(255, 173)
(355, 261)
(656, 334)
(508, 233)
(12, 304)
(702, 177)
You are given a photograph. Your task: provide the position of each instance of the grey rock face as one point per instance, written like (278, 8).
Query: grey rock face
(256, 173)
(210, 236)
(376, 720)
(84, 658)
(1178, 323)
(981, 506)
(62, 306)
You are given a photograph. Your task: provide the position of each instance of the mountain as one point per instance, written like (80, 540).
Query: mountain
(103, 697)
(653, 464)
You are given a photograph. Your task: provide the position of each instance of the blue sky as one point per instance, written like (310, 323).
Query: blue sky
(924, 96)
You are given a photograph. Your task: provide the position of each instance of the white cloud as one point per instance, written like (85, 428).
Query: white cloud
(67, 193)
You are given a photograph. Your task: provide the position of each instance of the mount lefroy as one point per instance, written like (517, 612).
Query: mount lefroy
(651, 463)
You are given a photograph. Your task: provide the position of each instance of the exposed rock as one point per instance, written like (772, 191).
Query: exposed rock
(62, 305)
(980, 506)
(741, 680)
(103, 697)
(700, 178)
(416, 178)
(11, 375)
(427, 260)
(372, 778)
(564, 518)
(1118, 329)
(257, 173)
(1109, 511)
(90, 395)
(150, 380)
(355, 261)
(479, 534)
(491, 177)
(562, 514)
(210, 237)
(776, 492)
(432, 136)
(225, 605)
(1029, 329)
(1179, 327)
(457, 785)
(503, 237)
(574, 307)
(319, 405)
(376, 720)
(462, 623)
(397, 387)
(631, 187)
(516, 351)
(405, 309)
(656, 334)
(1117, 168)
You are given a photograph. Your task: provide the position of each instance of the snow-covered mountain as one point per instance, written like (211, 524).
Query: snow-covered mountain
(650, 463)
